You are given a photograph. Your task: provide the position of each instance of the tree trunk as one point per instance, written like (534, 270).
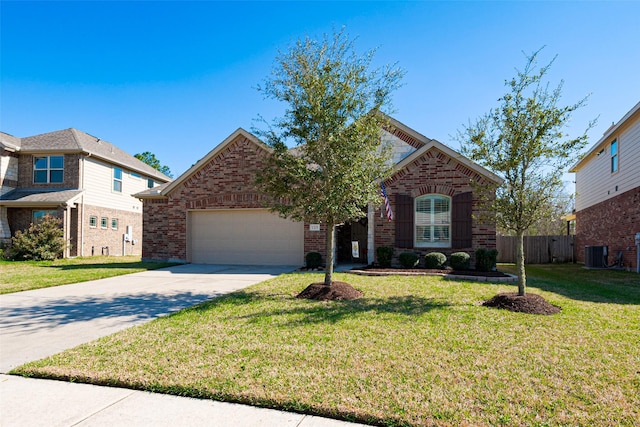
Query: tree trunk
(328, 272)
(522, 277)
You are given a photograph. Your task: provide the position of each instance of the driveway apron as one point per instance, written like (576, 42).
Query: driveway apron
(39, 323)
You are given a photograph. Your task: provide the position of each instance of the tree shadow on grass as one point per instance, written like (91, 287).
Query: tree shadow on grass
(577, 283)
(311, 312)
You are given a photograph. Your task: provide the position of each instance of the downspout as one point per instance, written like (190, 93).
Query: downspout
(81, 216)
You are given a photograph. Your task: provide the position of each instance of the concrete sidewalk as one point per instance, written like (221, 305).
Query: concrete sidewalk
(26, 402)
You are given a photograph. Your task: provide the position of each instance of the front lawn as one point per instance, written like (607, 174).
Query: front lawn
(16, 276)
(413, 351)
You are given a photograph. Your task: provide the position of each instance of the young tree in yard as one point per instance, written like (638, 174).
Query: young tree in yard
(333, 96)
(523, 141)
(150, 159)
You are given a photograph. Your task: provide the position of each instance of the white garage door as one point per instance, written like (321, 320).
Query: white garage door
(253, 236)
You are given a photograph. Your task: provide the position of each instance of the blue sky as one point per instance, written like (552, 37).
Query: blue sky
(176, 78)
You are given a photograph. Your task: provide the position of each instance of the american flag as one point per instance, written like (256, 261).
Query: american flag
(387, 205)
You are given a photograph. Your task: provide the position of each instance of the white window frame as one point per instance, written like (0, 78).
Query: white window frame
(93, 221)
(117, 182)
(432, 222)
(104, 222)
(47, 169)
(114, 223)
(615, 158)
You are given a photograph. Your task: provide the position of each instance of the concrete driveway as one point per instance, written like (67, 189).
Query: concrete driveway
(39, 323)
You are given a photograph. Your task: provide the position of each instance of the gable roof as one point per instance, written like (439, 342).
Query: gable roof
(9, 142)
(428, 143)
(163, 191)
(605, 137)
(75, 141)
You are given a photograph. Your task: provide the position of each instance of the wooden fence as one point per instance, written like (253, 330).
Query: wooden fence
(538, 249)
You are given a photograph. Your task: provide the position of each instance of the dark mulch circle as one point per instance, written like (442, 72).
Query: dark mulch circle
(529, 303)
(337, 291)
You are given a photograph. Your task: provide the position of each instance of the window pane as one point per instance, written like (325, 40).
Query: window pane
(440, 233)
(40, 176)
(93, 221)
(117, 173)
(103, 222)
(614, 164)
(614, 147)
(150, 183)
(423, 234)
(117, 186)
(56, 162)
(40, 163)
(432, 221)
(56, 176)
(114, 223)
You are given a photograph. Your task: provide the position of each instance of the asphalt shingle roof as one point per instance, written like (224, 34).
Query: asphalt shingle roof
(74, 140)
(39, 196)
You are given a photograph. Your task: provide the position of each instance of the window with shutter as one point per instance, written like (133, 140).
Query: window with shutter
(432, 221)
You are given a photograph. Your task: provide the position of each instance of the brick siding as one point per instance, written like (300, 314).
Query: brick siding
(71, 172)
(227, 181)
(611, 223)
(97, 238)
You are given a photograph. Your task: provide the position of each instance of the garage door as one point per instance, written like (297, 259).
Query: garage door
(253, 236)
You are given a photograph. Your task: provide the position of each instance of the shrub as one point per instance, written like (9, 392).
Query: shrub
(314, 260)
(460, 261)
(385, 255)
(408, 259)
(435, 260)
(486, 259)
(43, 241)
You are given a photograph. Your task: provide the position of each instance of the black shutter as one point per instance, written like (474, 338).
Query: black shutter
(404, 221)
(461, 222)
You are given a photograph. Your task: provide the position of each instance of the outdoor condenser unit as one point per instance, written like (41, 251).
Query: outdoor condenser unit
(595, 256)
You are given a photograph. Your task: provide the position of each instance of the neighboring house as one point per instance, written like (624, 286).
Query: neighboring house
(213, 213)
(84, 181)
(608, 192)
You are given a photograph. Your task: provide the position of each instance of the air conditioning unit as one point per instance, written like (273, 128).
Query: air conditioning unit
(595, 256)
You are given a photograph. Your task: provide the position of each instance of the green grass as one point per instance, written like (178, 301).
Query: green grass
(16, 276)
(413, 351)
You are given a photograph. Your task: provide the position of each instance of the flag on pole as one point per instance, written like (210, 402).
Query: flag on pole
(387, 205)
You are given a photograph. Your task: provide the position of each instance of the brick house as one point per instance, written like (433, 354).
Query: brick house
(213, 213)
(84, 181)
(608, 192)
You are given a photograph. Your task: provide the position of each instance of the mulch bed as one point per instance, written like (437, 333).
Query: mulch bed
(476, 273)
(529, 303)
(337, 291)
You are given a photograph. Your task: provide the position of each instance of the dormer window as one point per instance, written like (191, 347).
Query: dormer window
(48, 169)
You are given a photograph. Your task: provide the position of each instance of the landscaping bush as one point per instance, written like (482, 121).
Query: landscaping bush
(408, 259)
(460, 261)
(486, 259)
(43, 241)
(385, 255)
(314, 260)
(435, 260)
